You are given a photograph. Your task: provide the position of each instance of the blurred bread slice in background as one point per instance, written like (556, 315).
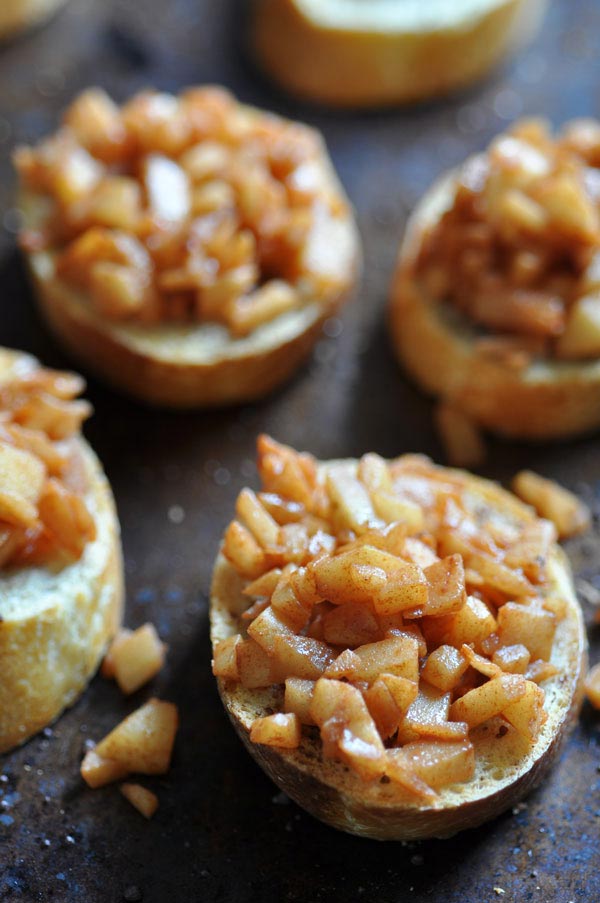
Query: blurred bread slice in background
(355, 54)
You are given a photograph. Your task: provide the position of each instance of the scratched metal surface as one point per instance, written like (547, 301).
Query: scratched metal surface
(222, 832)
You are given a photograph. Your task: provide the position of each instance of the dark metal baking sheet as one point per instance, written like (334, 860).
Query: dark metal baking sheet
(223, 832)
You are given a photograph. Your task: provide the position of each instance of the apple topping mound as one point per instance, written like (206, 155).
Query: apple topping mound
(187, 209)
(43, 513)
(518, 251)
(397, 609)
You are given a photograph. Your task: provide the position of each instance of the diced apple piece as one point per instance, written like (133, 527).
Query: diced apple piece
(441, 764)
(255, 668)
(143, 742)
(392, 509)
(396, 655)
(592, 686)
(411, 630)
(107, 668)
(374, 473)
(225, 662)
(498, 576)
(530, 551)
(253, 515)
(540, 671)
(117, 291)
(76, 174)
(367, 574)
(554, 502)
(298, 698)
(404, 691)
(206, 160)
(284, 511)
(263, 585)
(581, 338)
(137, 658)
(301, 656)
(22, 477)
(527, 626)
(479, 662)
(266, 627)
(471, 625)
(527, 714)
(446, 588)
(348, 731)
(167, 188)
(140, 798)
(570, 209)
(288, 607)
(243, 551)
(350, 625)
(282, 729)
(444, 668)
(431, 707)
(418, 552)
(400, 771)
(116, 203)
(97, 771)
(512, 659)
(383, 708)
(351, 505)
(489, 699)
(96, 121)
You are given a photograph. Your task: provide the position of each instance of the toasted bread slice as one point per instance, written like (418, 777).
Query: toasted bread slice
(352, 54)
(16, 15)
(548, 399)
(187, 363)
(57, 619)
(506, 767)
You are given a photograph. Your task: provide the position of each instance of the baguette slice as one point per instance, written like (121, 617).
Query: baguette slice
(55, 624)
(506, 770)
(548, 399)
(17, 15)
(351, 54)
(201, 364)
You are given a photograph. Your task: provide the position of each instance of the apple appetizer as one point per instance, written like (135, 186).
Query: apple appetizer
(398, 644)
(496, 302)
(188, 249)
(61, 581)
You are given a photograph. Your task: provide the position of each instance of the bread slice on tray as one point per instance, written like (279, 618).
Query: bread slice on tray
(186, 249)
(398, 645)
(61, 578)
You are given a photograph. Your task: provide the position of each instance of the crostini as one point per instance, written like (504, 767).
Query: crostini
(17, 15)
(398, 644)
(495, 306)
(350, 54)
(61, 578)
(187, 249)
